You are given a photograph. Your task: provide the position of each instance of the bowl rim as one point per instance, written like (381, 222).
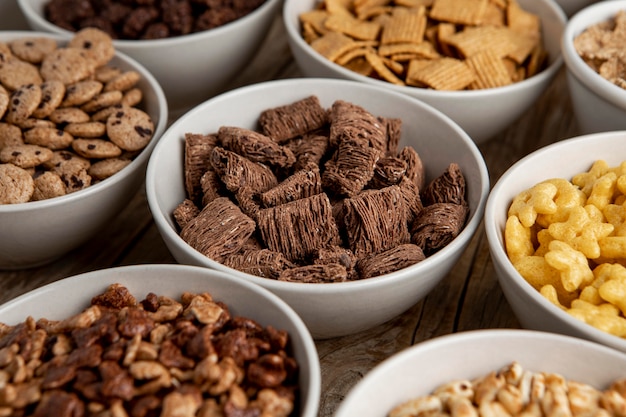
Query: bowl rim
(138, 160)
(484, 336)
(267, 6)
(499, 255)
(579, 22)
(340, 287)
(310, 409)
(549, 72)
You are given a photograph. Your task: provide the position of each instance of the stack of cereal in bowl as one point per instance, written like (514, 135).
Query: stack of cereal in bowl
(482, 63)
(192, 48)
(349, 201)
(555, 226)
(593, 51)
(78, 122)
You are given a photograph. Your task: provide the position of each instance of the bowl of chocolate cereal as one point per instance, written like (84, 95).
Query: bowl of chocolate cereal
(347, 200)
(493, 372)
(554, 223)
(193, 48)
(76, 130)
(483, 65)
(156, 340)
(593, 53)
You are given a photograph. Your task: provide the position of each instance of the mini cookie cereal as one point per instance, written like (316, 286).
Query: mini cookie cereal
(515, 391)
(435, 44)
(64, 109)
(315, 195)
(566, 238)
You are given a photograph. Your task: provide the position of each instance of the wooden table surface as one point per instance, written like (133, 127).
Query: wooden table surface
(468, 298)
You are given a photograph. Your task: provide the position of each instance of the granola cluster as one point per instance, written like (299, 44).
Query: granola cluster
(154, 357)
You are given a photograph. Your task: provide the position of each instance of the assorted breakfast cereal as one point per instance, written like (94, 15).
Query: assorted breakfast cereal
(68, 118)
(435, 44)
(567, 238)
(159, 356)
(316, 195)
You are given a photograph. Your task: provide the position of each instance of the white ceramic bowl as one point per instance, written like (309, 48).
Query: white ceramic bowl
(418, 370)
(193, 67)
(481, 113)
(38, 232)
(69, 296)
(559, 160)
(339, 308)
(599, 105)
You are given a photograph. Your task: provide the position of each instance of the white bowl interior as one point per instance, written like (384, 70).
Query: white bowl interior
(71, 295)
(418, 370)
(443, 142)
(467, 108)
(559, 160)
(40, 231)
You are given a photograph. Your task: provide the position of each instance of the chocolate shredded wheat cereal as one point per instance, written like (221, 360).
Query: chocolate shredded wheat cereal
(350, 205)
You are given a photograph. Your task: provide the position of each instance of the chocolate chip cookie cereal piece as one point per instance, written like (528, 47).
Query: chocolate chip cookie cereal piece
(4, 100)
(32, 49)
(96, 148)
(68, 65)
(25, 156)
(10, 135)
(81, 92)
(95, 44)
(23, 103)
(16, 184)
(67, 115)
(130, 128)
(52, 93)
(66, 162)
(15, 73)
(86, 130)
(123, 82)
(50, 137)
(48, 185)
(107, 167)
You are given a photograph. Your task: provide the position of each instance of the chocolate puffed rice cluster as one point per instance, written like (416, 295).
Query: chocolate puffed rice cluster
(316, 195)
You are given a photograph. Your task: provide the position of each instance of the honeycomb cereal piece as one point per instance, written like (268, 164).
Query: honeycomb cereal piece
(16, 184)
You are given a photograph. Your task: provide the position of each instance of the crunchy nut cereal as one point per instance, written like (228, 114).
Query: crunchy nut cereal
(158, 356)
(51, 103)
(316, 195)
(515, 391)
(567, 238)
(435, 44)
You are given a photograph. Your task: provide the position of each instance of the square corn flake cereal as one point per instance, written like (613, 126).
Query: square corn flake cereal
(435, 44)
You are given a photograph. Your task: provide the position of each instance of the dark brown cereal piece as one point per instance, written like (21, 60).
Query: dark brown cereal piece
(212, 187)
(4, 100)
(15, 73)
(184, 212)
(247, 200)
(255, 146)
(81, 92)
(350, 168)
(123, 82)
(219, 230)
(130, 128)
(96, 148)
(10, 135)
(32, 49)
(437, 225)
(415, 168)
(52, 94)
(95, 44)
(389, 170)
(23, 102)
(315, 273)
(68, 65)
(236, 171)
(68, 115)
(376, 221)
(106, 168)
(197, 161)
(394, 133)
(351, 121)
(390, 260)
(299, 228)
(260, 262)
(16, 184)
(116, 296)
(302, 184)
(336, 254)
(412, 198)
(48, 185)
(25, 156)
(449, 187)
(103, 100)
(86, 129)
(50, 137)
(310, 149)
(292, 120)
